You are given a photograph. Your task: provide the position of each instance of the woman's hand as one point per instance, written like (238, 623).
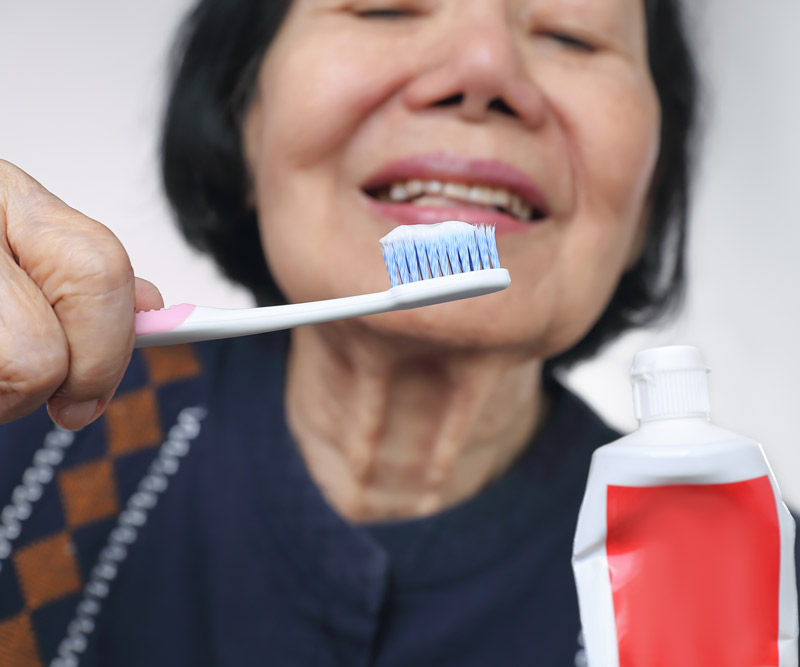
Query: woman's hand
(67, 301)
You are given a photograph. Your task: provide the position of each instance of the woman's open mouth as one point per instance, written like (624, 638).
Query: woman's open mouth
(438, 193)
(433, 188)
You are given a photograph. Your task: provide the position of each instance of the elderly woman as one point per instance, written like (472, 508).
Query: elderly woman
(400, 489)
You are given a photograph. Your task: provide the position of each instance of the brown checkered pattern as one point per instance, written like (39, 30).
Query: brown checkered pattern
(17, 643)
(47, 569)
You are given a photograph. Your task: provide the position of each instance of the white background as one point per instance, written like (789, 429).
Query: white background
(81, 89)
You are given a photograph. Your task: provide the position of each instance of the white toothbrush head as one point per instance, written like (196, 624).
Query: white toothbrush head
(421, 252)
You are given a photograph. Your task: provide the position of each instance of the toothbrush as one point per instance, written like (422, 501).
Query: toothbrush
(427, 264)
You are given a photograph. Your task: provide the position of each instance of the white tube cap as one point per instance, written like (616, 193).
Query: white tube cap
(670, 382)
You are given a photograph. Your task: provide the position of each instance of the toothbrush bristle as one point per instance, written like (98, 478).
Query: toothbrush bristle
(419, 252)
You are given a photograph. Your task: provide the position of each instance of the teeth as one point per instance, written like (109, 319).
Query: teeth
(501, 198)
(516, 206)
(436, 193)
(433, 187)
(456, 191)
(432, 200)
(414, 188)
(398, 192)
(480, 195)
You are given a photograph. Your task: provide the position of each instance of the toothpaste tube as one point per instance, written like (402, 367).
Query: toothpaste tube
(684, 550)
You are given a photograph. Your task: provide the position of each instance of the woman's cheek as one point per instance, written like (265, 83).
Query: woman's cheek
(611, 120)
(622, 158)
(323, 100)
(611, 129)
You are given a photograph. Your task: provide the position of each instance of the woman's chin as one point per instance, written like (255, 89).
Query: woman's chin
(455, 326)
(485, 324)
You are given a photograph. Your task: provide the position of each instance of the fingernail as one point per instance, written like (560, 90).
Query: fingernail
(77, 415)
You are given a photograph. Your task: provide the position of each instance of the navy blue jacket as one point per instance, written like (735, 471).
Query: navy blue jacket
(182, 528)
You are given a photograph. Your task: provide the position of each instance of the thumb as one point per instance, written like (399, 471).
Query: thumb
(146, 295)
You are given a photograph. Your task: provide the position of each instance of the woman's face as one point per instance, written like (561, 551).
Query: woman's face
(537, 115)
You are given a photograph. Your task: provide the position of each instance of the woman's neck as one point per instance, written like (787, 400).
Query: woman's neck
(405, 433)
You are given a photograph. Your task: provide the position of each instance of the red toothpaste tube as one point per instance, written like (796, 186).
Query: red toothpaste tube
(684, 550)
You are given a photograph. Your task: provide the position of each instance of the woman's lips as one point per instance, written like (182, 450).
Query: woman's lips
(412, 214)
(452, 168)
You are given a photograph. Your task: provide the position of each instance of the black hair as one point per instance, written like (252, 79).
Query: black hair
(215, 65)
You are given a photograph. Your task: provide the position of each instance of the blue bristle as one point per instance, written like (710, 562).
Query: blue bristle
(402, 263)
(492, 247)
(389, 254)
(483, 247)
(424, 261)
(413, 263)
(444, 260)
(474, 255)
(453, 244)
(460, 243)
(423, 252)
(433, 259)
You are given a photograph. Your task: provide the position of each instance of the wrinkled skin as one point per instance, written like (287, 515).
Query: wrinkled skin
(68, 296)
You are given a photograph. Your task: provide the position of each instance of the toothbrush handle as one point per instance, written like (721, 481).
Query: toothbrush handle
(187, 323)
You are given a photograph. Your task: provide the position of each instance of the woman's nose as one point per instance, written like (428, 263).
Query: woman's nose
(478, 70)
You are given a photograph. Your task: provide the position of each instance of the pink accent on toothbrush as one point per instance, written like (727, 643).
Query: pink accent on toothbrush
(161, 321)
